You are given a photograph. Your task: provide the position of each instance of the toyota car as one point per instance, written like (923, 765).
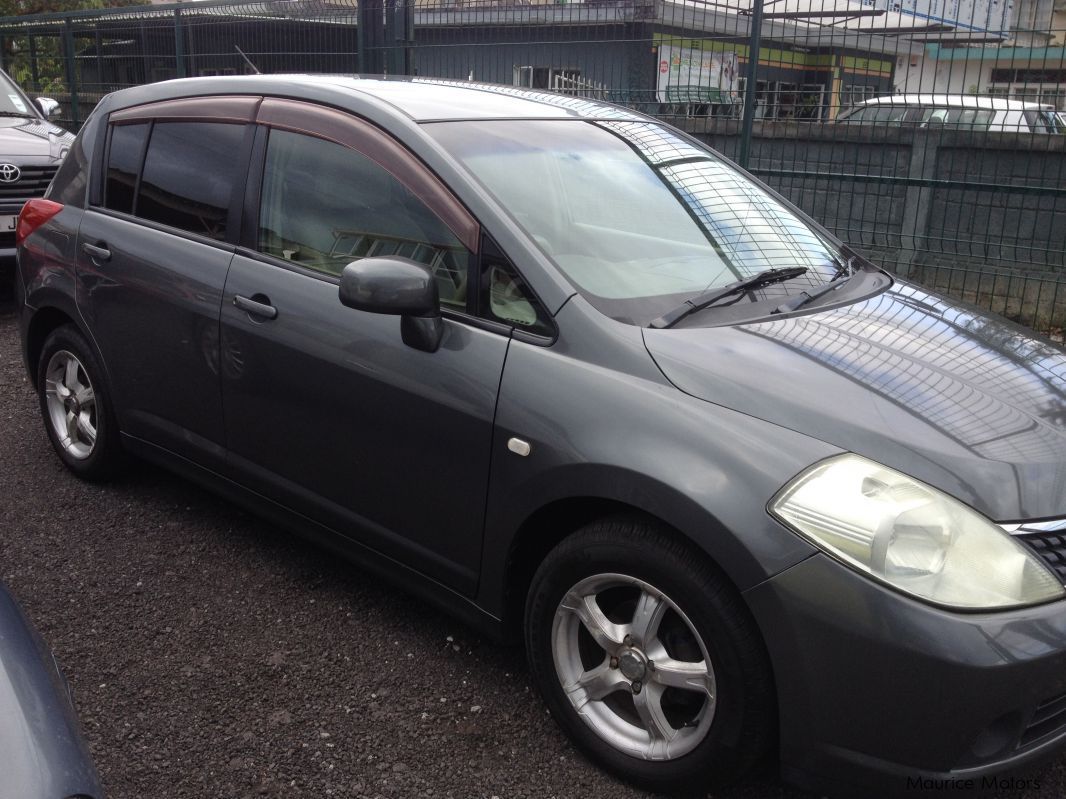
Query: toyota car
(31, 149)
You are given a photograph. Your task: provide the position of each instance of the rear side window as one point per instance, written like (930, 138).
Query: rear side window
(890, 113)
(189, 173)
(859, 116)
(124, 156)
(962, 118)
(1043, 122)
(933, 117)
(971, 118)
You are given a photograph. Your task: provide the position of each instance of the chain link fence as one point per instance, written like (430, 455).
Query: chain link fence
(929, 134)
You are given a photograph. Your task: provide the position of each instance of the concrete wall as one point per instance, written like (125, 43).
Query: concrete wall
(979, 216)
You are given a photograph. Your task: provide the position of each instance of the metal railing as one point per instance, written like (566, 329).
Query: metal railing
(952, 182)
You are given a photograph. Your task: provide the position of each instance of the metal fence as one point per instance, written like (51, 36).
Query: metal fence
(927, 133)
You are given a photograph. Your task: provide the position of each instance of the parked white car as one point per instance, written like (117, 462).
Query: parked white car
(968, 112)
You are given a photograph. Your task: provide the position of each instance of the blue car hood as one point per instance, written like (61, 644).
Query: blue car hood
(967, 402)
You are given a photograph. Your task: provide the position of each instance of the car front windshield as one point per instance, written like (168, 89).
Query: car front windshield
(12, 101)
(638, 217)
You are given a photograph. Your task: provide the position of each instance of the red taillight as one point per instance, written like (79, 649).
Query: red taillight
(34, 214)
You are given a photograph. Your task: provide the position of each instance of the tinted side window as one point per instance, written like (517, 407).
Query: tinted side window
(189, 174)
(324, 205)
(124, 153)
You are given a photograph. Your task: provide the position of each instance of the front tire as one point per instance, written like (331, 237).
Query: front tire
(76, 407)
(648, 658)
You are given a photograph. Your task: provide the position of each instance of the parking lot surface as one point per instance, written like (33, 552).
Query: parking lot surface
(214, 655)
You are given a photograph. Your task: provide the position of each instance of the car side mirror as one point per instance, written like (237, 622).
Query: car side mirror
(400, 287)
(48, 107)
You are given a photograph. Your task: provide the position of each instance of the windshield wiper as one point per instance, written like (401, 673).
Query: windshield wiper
(805, 297)
(844, 268)
(701, 301)
(16, 114)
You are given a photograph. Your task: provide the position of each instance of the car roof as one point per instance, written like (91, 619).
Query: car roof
(429, 98)
(420, 99)
(957, 101)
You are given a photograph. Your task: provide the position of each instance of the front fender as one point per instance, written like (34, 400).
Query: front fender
(629, 437)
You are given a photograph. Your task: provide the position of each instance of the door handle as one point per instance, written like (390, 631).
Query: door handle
(98, 252)
(257, 305)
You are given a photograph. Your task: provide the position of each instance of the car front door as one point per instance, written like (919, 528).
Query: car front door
(326, 408)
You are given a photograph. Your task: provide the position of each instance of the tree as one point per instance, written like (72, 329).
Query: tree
(40, 66)
(19, 8)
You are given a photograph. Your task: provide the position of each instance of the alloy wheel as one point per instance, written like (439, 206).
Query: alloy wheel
(71, 403)
(633, 667)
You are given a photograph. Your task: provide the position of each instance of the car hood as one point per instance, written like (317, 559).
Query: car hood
(27, 137)
(969, 403)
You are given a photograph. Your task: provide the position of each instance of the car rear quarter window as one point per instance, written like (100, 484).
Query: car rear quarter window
(71, 181)
(189, 174)
(1043, 122)
(124, 154)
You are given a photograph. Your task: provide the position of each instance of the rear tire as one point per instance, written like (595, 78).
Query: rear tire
(76, 407)
(648, 658)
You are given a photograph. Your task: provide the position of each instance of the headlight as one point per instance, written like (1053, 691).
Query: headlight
(912, 536)
(58, 145)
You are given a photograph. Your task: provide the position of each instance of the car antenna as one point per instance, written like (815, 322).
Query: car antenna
(247, 60)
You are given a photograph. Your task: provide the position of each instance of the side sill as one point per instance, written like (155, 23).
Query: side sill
(399, 574)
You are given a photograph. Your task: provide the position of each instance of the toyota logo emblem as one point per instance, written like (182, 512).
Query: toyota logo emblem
(9, 173)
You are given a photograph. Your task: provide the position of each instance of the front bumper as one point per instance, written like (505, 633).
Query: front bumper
(882, 695)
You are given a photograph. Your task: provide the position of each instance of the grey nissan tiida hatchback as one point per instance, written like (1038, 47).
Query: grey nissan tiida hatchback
(561, 369)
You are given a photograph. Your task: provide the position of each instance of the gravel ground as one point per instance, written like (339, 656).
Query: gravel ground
(213, 655)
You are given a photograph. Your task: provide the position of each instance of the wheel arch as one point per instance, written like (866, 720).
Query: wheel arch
(538, 529)
(41, 324)
(541, 532)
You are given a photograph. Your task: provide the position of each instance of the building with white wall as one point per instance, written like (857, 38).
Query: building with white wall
(1028, 63)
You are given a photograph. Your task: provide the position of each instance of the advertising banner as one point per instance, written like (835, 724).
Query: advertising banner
(687, 75)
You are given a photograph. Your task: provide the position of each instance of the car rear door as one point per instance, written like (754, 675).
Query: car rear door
(153, 251)
(326, 409)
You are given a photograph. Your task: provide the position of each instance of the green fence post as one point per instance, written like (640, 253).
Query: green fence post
(179, 45)
(749, 90)
(98, 43)
(35, 73)
(71, 71)
(371, 34)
